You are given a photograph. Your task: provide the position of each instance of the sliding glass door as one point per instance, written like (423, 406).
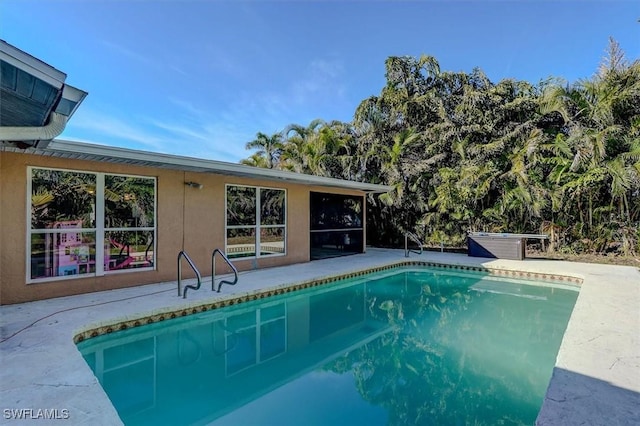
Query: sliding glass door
(336, 225)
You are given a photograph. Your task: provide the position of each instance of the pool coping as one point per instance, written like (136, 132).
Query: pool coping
(94, 330)
(596, 377)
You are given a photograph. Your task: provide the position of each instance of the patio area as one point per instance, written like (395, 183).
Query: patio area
(596, 379)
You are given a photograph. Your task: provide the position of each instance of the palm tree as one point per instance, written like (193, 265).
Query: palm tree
(320, 148)
(598, 120)
(464, 153)
(268, 146)
(256, 160)
(296, 139)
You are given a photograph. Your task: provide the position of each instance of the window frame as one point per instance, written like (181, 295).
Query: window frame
(104, 229)
(257, 226)
(340, 233)
(257, 325)
(98, 230)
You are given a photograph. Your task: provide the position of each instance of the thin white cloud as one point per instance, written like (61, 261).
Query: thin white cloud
(322, 81)
(147, 61)
(179, 70)
(224, 133)
(302, 100)
(147, 134)
(109, 127)
(189, 107)
(225, 142)
(332, 69)
(198, 130)
(215, 58)
(180, 131)
(199, 135)
(127, 52)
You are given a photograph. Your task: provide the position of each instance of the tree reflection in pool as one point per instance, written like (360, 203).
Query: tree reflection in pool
(412, 346)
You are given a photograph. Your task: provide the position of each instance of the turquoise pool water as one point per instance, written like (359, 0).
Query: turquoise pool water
(412, 346)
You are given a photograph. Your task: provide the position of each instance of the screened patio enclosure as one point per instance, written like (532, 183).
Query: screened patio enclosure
(336, 225)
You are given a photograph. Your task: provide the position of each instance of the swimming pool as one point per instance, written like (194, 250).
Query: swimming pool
(406, 346)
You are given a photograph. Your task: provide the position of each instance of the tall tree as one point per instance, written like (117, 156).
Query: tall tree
(464, 153)
(270, 147)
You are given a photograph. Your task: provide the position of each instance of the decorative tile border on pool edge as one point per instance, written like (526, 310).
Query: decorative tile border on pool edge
(235, 299)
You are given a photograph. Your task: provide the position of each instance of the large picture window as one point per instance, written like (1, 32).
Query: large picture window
(256, 224)
(85, 223)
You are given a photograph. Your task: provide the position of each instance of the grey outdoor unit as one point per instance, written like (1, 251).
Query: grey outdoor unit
(500, 246)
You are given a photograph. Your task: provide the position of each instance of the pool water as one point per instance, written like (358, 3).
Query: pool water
(407, 346)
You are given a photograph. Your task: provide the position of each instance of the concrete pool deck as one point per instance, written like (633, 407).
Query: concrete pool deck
(596, 379)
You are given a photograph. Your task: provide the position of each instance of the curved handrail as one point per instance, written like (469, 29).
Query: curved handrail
(198, 276)
(213, 270)
(413, 237)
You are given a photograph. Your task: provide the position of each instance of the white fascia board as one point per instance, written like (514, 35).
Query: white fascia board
(31, 65)
(213, 166)
(75, 95)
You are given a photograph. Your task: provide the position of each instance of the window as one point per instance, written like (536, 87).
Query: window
(256, 220)
(79, 217)
(129, 222)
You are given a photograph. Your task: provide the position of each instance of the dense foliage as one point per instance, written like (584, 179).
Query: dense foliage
(466, 154)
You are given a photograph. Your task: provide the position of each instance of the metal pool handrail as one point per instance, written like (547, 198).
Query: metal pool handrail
(213, 270)
(198, 276)
(410, 235)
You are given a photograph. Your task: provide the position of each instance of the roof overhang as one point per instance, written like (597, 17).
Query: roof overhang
(35, 102)
(94, 152)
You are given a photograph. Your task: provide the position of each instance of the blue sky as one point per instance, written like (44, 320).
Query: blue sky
(200, 78)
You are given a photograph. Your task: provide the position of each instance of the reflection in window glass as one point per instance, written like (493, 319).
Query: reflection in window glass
(64, 253)
(67, 228)
(255, 216)
(271, 241)
(129, 213)
(271, 207)
(241, 205)
(129, 202)
(128, 250)
(336, 225)
(335, 211)
(60, 197)
(241, 242)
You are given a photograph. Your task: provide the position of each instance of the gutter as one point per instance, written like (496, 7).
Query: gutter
(199, 165)
(49, 131)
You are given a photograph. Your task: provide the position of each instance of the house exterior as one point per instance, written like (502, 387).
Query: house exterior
(77, 218)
